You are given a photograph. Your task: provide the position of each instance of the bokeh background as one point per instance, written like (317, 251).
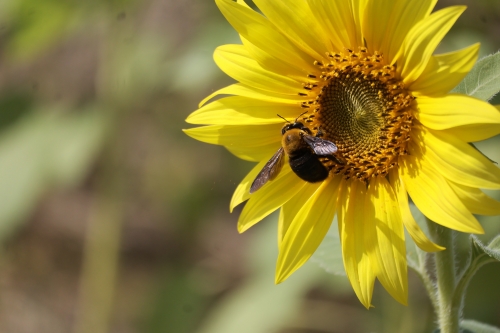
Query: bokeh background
(113, 220)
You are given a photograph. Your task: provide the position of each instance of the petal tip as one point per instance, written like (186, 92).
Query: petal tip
(242, 228)
(436, 248)
(279, 278)
(367, 304)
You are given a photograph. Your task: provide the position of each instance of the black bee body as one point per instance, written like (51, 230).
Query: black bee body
(301, 157)
(307, 166)
(303, 151)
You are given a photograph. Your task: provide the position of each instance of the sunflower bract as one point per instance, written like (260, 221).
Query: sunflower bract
(363, 75)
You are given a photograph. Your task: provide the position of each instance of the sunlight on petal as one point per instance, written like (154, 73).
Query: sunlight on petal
(423, 39)
(445, 71)
(306, 231)
(416, 233)
(356, 237)
(292, 207)
(440, 113)
(434, 197)
(391, 248)
(476, 201)
(269, 198)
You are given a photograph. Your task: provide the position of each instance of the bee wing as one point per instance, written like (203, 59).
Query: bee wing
(269, 171)
(320, 146)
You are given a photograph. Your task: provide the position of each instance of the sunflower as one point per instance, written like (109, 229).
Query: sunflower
(360, 74)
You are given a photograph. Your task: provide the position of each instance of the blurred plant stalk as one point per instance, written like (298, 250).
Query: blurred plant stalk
(101, 255)
(100, 265)
(102, 244)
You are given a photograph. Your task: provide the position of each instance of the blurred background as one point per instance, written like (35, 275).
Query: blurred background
(113, 220)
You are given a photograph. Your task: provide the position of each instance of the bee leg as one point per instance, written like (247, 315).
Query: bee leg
(319, 133)
(335, 159)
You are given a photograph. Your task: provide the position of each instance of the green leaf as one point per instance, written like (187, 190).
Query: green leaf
(480, 255)
(494, 246)
(37, 24)
(476, 327)
(135, 70)
(329, 254)
(39, 152)
(483, 81)
(483, 254)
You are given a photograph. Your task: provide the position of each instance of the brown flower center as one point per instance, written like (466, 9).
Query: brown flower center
(362, 107)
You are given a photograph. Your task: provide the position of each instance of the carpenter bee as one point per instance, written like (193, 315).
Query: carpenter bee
(303, 152)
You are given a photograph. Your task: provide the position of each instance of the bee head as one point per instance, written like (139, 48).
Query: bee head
(296, 124)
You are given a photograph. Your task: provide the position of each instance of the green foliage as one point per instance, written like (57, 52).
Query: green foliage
(40, 151)
(177, 305)
(479, 256)
(36, 24)
(14, 105)
(483, 81)
(472, 326)
(482, 254)
(476, 327)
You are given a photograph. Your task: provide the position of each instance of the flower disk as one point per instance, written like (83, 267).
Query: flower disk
(365, 110)
(359, 75)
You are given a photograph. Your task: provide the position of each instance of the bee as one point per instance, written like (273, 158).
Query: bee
(303, 151)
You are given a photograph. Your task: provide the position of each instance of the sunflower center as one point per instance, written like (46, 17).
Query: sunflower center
(363, 108)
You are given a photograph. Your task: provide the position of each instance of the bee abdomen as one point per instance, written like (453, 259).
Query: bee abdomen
(308, 167)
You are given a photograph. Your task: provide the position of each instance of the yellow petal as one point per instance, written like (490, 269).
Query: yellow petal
(445, 71)
(358, 9)
(455, 110)
(391, 248)
(476, 201)
(458, 161)
(248, 142)
(475, 132)
(235, 61)
(242, 192)
(254, 93)
(423, 39)
(337, 22)
(243, 3)
(228, 135)
(237, 110)
(249, 153)
(434, 197)
(270, 197)
(416, 233)
(291, 208)
(295, 20)
(387, 22)
(307, 229)
(276, 65)
(357, 234)
(260, 32)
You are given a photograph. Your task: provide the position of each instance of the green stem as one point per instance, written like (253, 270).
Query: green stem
(429, 286)
(100, 266)
(448, 312)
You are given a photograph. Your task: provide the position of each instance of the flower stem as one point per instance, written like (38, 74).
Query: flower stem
(447, 311)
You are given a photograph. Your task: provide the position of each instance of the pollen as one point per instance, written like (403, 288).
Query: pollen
(362, 106)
